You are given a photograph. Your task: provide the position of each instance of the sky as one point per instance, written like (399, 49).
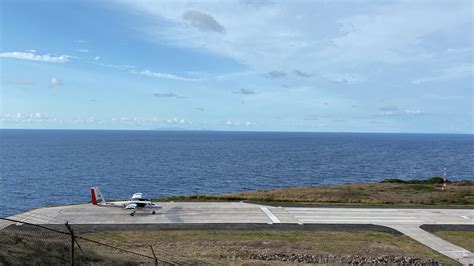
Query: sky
(244, 65)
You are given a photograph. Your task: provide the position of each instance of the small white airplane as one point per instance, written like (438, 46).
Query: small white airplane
(137, 202)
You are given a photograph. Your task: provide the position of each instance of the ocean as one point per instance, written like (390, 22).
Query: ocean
(51, 167)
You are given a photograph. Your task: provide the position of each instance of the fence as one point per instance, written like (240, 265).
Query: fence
(61, 244)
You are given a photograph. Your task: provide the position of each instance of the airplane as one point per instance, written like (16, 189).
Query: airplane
(137, 202)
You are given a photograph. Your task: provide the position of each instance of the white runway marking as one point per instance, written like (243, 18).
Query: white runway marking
(270, 215)
(33, 215)
(406, 221)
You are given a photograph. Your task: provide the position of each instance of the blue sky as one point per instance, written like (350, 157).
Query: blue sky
(345, 66)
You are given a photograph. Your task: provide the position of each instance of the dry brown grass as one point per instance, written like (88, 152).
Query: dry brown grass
(463, 239)
(456, 194)
(234, 247)
(36, 246)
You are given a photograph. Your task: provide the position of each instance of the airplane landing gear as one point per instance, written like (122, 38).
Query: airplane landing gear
(153, 212)
(132, 213)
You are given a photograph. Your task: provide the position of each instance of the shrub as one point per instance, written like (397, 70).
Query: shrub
(393, 180)
(433, 180)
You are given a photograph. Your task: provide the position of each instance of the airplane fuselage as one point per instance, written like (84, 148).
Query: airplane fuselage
(134, 204)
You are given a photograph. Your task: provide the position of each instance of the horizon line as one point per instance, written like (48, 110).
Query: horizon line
(243, 131)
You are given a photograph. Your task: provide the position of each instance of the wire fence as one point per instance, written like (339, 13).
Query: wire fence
(61, 244)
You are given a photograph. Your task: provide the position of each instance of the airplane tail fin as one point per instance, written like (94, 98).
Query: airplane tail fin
(97, 197)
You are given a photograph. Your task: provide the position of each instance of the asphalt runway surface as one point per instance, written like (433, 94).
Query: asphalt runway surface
(232, 214)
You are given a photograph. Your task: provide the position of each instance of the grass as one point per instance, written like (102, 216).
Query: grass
(391, 192)
(36, 246)
(17, 249)
(235, 247)
(464, 239)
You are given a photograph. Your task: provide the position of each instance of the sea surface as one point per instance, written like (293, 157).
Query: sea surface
(51, 167)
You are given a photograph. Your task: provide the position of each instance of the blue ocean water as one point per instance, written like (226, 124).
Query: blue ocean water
(43, 167)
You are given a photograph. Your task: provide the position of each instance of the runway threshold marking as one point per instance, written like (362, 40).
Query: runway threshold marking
(270, 215)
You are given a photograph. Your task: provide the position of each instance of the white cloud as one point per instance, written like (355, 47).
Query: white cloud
(220, 77)
(153, 122)
(313, 37)
(128, 121)
(21, 118)
(42, 120)
(231, 123)
(191, 76)
(34, 57)
(345, 78)
(82, 50)
(414, 112)
(121, 67)
(55, 82)
(395, 111)
(177, 121)
(160, 75)
(450, 73)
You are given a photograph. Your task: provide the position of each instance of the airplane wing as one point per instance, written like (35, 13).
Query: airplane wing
(131, 206)
(137, 196)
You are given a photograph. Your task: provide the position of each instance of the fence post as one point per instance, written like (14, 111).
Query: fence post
(72, 242)
(154, 256)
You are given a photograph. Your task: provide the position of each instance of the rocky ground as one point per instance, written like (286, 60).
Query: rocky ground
(354, 259)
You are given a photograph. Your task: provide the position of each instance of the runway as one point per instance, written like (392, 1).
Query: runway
(406, 221)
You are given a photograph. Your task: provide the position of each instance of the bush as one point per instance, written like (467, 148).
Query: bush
(433, 180)
(393, 180)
